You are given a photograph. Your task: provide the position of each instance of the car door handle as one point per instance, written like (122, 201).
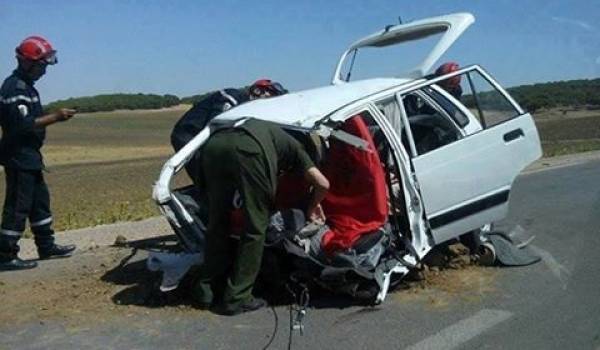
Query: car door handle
(513, 135)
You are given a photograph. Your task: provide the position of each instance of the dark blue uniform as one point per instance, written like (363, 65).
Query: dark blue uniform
(27, 195)
(194, 120)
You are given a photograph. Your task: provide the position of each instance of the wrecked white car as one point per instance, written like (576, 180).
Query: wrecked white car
(411, 165)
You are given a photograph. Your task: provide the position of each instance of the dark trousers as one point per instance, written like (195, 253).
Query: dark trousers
(27, 197)
(233, 162)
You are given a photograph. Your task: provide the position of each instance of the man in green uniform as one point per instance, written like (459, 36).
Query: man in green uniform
(245, 162)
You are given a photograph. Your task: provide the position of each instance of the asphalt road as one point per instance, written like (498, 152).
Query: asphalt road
(550, 305)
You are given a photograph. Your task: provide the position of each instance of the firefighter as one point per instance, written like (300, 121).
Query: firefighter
(239, 168)
(23, 131)
(194, 120)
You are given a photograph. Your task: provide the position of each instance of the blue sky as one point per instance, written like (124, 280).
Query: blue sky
(189, 47)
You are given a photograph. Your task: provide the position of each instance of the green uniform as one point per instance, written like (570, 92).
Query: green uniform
(246, 159)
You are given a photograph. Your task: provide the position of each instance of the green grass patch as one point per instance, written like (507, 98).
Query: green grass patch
(559, 148)
(569, 132)
(585, 128)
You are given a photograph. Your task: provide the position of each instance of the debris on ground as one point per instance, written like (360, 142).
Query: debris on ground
(448, 272)
(120, 241)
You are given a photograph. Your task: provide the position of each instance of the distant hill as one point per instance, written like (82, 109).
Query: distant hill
(578, 93)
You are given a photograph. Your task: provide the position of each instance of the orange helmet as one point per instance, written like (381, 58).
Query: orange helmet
(36, 48)
(446, 68)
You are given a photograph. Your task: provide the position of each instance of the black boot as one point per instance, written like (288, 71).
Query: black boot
(248, 306)
(56, 251)
(10, 262)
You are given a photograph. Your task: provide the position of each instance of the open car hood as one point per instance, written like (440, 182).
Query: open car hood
(451, 26)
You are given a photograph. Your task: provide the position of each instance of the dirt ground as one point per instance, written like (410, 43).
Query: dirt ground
(102, 284)
(90, 288)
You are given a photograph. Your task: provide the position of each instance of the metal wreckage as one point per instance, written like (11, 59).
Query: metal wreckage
(411, 164)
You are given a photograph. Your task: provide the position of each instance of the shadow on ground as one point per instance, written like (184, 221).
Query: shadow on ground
(143, 284)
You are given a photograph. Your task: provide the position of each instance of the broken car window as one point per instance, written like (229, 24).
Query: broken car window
(486, 102)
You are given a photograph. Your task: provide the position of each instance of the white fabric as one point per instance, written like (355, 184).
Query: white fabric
(174, 267)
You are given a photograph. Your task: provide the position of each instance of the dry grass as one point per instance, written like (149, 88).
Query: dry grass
(102, 166)
(565, 132)
(91, 194)
(64, 154)
(115, 129)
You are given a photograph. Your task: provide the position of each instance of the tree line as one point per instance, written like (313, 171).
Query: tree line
(579, 93)
(111, 102)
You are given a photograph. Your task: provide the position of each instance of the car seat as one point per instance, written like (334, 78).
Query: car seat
(356, 204)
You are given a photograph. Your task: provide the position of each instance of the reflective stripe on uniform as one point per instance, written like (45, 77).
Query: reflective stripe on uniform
(229, 97)
(46, 221)
(10, 233)
(14, 99)
(237, 200)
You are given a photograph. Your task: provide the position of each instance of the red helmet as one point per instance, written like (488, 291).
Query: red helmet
(266, 85)
(36, 48)
(446, 68)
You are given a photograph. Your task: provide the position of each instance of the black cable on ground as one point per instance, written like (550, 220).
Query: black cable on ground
(274, 330)
(291, 329)
(126, 259)
(294, 296)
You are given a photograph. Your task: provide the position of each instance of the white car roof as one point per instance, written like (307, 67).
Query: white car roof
(304, 108)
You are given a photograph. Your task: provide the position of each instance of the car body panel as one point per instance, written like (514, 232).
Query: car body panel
(466, 183)
(452, 26)
(304, 108)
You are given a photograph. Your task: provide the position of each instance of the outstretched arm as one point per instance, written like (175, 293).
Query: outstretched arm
(61, 115)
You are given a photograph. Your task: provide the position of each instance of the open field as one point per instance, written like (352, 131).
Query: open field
(111, 136)
(102, 165)
(566, 132)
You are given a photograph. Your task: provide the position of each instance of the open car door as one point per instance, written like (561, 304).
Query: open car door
(450, 26)
(465, 184)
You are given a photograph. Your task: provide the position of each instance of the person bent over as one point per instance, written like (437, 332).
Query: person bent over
(239, 168)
